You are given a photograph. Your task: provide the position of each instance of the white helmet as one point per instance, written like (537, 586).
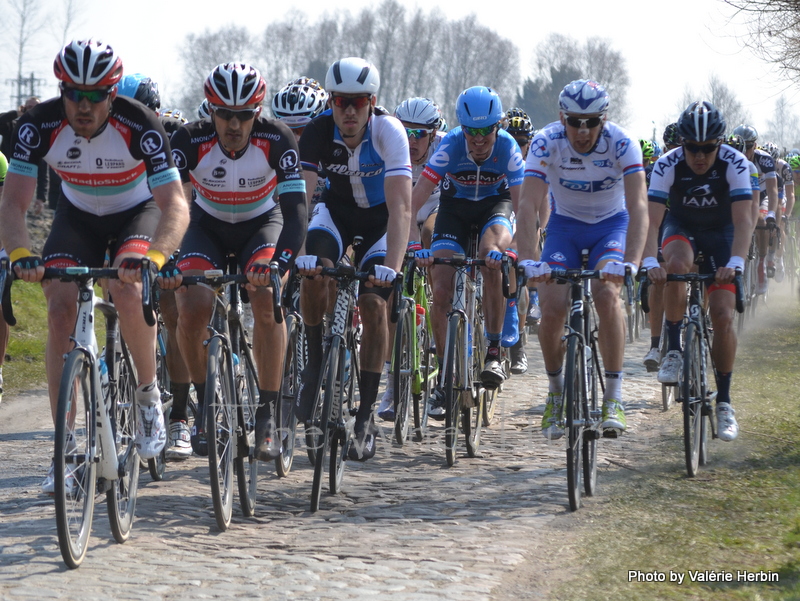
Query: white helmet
(353, 76)
(203, 112)
(297, 104)
(419, 110)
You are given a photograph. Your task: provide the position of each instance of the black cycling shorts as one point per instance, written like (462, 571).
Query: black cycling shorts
(456, 218)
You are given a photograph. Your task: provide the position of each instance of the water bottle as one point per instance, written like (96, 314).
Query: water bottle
(103, 377)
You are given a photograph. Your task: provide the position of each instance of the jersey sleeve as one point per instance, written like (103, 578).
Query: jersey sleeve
(740, 180)
(311, 144)
(515, 166)
(662, 177)
(628, 154)
(150, 144)
(184, 154)
(391, 142)
(538, 159)
(437, 165)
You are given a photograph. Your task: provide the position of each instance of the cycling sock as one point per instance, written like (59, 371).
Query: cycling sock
(267, 400)
(613, 385)
(655, 341)
(494, 339)
(370, 381)
(674, 333)
(180, 399)
(314, 345)
(723, 386)
(556, 380)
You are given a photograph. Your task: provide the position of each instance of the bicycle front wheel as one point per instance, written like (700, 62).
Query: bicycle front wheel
(292, 367)
(574, 391)
(246, 463)
(691, 390)
(121, 497)
(454, 379)
(428, 371)
(220, 430)
(74, 463)
(333, 388)
(403, 369)
(591, 411)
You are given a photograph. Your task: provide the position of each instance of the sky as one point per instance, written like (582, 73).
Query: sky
(668, 47)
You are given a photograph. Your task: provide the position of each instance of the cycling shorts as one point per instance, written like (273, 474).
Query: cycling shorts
(209, 240)
(714, 244)
(568, 237)
(456, 218)
(81, 238)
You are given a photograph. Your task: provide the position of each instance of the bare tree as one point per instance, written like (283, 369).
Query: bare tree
(25, 22)
(783, 127)
(70, 16)
(721, 96)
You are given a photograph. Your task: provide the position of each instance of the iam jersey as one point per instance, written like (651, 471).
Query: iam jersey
(459, 176)
(111, 172)
(241, 186)
(586, 187)
(766, 169)
(356, 176)
(702, 201)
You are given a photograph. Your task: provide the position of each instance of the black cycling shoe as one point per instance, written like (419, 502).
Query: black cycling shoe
(268, 447)
(199, 441)
(364, 442)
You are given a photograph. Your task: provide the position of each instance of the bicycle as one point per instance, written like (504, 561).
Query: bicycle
(414, 366)
(96, 418)
(293, 364)
(231, 392)
(792, 253)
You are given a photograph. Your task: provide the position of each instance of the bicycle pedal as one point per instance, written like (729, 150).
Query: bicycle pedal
(611, 433)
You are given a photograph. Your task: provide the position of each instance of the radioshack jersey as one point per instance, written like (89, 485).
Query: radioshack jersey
(356, 177)
(702, 201)
(111, 172)
(238, 187)
(586, 187)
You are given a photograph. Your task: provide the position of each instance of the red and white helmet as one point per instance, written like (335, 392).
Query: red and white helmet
(235, 84)
(88, 63)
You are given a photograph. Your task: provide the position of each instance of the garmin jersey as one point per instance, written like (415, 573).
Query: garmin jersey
(111, 172)
(356, 176)
(459, 176)
(586, 187)
(240, 186)
(702, 201)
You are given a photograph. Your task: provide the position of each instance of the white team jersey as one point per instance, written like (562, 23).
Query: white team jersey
(586, 187)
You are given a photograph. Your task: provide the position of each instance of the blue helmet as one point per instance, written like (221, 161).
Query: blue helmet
(478, 107)
(140, 88)
(583, 97)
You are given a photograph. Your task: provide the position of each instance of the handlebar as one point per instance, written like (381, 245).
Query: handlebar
(707, 278)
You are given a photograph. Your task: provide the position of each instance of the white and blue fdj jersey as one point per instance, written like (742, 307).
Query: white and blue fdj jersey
(587, 187)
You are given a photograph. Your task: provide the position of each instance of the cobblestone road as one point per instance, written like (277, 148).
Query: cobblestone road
(405, 527)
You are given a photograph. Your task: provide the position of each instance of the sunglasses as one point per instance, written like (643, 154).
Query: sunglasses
(93, 96)
(418, 133)
(241, 114)
(479, 131)
(583, 123)
(704, 148)
(358, 102)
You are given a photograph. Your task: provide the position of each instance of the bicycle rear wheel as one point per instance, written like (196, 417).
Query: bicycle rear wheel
(220, 430)
(692, 393)
(333, 388)
(246, 463)
(403, 369)
(292, 367)
(121, 497)
(574, 393)
(74, 466)
(454, 380)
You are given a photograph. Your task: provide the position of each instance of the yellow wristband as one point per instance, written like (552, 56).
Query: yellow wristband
(19, 253)
(157, 257)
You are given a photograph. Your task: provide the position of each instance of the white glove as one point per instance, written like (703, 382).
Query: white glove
(650, 263)
(535, 269)
(618, 268)
(736, 263)
(385, 274)
(306, 262)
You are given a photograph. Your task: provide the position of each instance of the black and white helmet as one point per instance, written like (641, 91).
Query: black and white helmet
(423, 111)
(701, 122)
(298, 103)
(353, 76)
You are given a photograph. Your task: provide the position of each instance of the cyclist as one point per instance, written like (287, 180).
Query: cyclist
(479, 168)
(707, 185)
(597, 194)
(298, 102)
(203, 112)
(768, 181)
(785, 204)
(7, 122)
(242, 174)
(364, 152)
(118, 182)
(647, 155)
(420, 118)
(671, 137)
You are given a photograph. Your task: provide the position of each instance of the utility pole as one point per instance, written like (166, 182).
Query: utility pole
(26, 87)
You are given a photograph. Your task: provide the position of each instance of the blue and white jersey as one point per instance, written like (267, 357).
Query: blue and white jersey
(356, 176)
(459, 176)
(586, 187)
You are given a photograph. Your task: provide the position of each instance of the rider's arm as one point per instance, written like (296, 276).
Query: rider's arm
(397, 190)
(291, 192)
(636, 203)
(789, 192)
(17, 194)
(533, 194)
(772, 193)
(421, 193)
(743, 224)
(171, 199)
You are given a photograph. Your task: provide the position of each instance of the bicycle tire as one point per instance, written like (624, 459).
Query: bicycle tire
(292, 366)
(403, 368)
(574, 397)
(591, 411)
(246, 464)
(692, 398)
(454, 383)
(312, 431)
(489, 407)
(472, 407)
(428, 370)
(157, 465)
(220, 429)
(324, 424)
(121, 497)
(74, 433)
